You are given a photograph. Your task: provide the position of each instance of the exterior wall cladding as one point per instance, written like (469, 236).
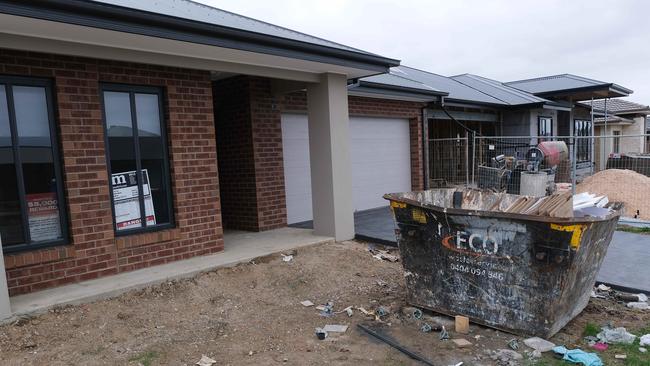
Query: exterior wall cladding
(249, 143)
(94, 250)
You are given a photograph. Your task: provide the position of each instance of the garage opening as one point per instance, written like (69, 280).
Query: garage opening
(381, 163)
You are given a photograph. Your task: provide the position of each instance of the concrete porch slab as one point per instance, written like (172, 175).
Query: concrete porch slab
(240, 247)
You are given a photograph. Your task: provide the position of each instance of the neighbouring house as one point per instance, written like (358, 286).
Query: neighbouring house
(624, 124)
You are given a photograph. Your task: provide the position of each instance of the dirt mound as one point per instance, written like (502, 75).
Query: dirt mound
(625, 186)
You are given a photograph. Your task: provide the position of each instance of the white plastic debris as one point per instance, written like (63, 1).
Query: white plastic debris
(206, 361)
(645, 340)
(616, 335)
(335, 328)
(287, 258)
(642, 297)
(306, 303)
(638, 305)
(603, 287)
(539, 344)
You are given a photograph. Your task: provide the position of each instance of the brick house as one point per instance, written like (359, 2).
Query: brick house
(132, 136)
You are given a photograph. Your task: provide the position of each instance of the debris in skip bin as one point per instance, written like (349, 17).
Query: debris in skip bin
(321, 333)
(287, 258)
(461, 342)
(587, 204)
(306, 303)
(335, 328)
(539, 344)
(616, 335)
(514, 344)
(444, 335)
(644, 340)
(620, 357)
(462, 324)
(206, 361)
(600, 346)
(603, 287)
(578, 356)
(395, 345)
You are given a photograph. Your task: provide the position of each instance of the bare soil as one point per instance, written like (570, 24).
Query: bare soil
(251, 315)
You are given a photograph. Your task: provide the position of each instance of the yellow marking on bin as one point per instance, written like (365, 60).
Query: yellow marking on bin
(577, 230)
(419, 216)
(395, 204)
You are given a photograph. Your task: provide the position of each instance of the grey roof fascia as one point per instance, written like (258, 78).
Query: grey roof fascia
(621, 91)
(134, 21)
(365, 91)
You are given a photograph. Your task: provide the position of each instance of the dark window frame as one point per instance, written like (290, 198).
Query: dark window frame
(583, 145)
(539, 130)
(132, 90)
(9, 82)
(616, 142)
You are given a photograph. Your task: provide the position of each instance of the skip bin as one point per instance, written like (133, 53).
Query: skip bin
(525, 274)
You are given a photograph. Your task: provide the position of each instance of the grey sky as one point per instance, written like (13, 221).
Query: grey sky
(503, 40)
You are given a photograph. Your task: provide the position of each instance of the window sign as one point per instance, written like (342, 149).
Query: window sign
(126, 202)
(43, 216)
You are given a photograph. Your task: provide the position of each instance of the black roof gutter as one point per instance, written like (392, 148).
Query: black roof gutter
(122, 19)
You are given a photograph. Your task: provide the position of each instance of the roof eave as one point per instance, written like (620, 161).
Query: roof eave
(387, 87)
(611, 90)
(128, 20)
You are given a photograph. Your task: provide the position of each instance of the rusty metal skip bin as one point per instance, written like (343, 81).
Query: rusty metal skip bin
(525, 274)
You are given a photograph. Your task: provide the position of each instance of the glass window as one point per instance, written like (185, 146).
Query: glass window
(582, 127)
(137, 151)
(616, 148)
(30, 192)
(545, 126)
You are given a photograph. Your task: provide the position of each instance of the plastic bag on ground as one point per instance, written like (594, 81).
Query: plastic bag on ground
(616, 335)
(579, 356)
(645, 340)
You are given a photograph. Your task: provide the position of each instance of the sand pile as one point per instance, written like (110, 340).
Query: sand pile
(625, 186)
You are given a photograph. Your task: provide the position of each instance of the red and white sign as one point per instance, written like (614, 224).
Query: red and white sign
(43, 216)
(126, 202)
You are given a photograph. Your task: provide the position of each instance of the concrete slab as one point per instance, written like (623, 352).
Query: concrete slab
(240, 247)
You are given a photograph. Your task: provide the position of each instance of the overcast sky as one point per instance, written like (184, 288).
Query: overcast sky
(503, 40)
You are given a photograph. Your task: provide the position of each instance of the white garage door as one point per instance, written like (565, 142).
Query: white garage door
(380, 153)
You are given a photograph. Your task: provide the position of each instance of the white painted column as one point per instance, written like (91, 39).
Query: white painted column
(5, 306)
(329, 153)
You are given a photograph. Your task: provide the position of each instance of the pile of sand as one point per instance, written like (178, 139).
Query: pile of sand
(627, 186)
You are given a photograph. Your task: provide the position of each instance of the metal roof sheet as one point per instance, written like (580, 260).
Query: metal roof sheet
(563, 82)
(456, 90)
(496, 89)
(198, 12)
(397, 80)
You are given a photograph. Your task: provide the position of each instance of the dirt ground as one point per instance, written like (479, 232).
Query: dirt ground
(251, 315)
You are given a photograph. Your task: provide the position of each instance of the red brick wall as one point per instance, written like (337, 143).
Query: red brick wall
(249, 142)
(94, 251)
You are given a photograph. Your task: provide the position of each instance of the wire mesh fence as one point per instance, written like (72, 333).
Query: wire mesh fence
(619, 166)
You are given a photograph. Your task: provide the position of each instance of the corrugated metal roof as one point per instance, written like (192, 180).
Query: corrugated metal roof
(198, 12)
(496, 89)
(456, 90)
(556, 83)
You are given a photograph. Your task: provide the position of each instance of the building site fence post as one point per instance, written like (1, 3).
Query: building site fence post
(574, 165)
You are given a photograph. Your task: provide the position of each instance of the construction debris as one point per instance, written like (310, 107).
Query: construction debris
(644, 340)
(306, 303)
(335, 328)
(206, 361)
(321, 333)
(461, 324)
(444, 335)
(638, 305)
(616, 335)
(624, 186)
(395, 345)
(286, 258)
(461, 342)
(539, 344)
(587, 204)
(620, 357)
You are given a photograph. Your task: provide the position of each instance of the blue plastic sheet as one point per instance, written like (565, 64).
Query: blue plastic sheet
(579, 356)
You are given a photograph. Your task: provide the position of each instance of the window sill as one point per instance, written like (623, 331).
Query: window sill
(146, 238)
